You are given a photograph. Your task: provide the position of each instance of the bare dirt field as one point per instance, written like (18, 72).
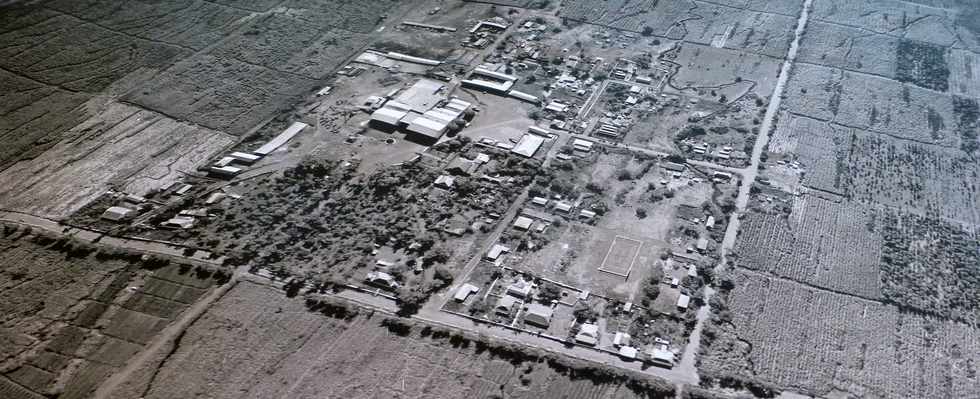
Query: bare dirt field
(97, 310)
(287, 350)
(823, 343)
(124, 147)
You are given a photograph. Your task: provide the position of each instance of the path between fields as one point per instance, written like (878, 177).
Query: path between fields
(687, 364)
(165, 337)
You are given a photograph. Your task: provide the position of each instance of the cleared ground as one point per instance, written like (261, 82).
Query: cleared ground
(621, 256)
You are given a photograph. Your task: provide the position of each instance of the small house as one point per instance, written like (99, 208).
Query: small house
(520, 289)
(505, 305)
(382, 279)
(542, 201)
(180, 222)
(494, 253)
(563, 207)
(445, 182)
(710, 223)
(662, 357)
(586, 214)
(627, 352)
(621, 339)
(465, 291)
(539, 315)
(462, 166)
(702, 244)
(523, 223)
(117, 213)
(588, 334)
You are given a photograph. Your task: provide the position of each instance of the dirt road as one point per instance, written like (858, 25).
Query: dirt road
(141, 245)
(687, 364)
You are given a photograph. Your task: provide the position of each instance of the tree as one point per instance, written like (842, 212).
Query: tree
(641, 213)
(549, 292)
(647, 31)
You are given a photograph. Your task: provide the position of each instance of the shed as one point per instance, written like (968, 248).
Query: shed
(586, 214)
(683, 301)
(710, 223)
(563, 207)
(244, 158)
(539, 201)
(465, 291)
(673, 166)
(117, 213)
(523, 222)
(539, 315)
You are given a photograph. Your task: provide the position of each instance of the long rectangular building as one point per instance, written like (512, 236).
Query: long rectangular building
(281, 139)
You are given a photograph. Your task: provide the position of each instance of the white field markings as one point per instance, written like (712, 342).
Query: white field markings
(629, 267)
(719, 40)
(964, 73)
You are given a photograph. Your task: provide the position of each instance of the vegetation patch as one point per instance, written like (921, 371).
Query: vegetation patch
(923, 65)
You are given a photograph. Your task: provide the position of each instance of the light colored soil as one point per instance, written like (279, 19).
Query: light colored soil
(123, 147)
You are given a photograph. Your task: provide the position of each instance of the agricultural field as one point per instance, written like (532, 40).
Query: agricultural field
(195, 24)
(874, 168)
(220, 93)
(33, 116)
(872, 103)
(291, 44)
(102, 149)
(823, 343)
(819, 241)
(99, 309)
(742, 26)
(289, 350)
(849, 48)
(76, 55)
